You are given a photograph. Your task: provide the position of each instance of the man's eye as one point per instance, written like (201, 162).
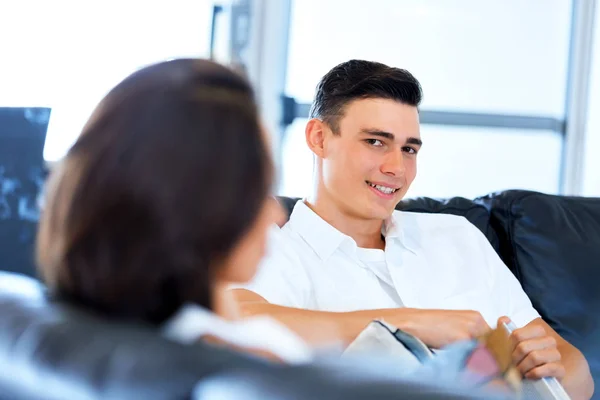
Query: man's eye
(375, 142)
(409, 150)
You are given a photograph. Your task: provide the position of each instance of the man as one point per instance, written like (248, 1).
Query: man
(347, 257)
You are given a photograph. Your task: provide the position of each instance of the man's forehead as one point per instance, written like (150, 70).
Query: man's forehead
(380, 112)
(378, 103)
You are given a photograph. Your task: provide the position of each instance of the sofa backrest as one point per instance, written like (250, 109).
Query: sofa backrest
(52, 352)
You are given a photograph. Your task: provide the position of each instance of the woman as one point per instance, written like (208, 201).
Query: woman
(162, 202)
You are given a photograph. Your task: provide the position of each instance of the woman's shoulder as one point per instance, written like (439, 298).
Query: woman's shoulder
(259, 333)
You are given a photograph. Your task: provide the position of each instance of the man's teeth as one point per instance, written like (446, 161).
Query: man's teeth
(383, 189)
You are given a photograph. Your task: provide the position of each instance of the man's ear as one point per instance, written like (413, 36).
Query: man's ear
(315, 136)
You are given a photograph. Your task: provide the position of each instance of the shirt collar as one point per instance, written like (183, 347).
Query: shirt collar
(396, 228)
(324, 239)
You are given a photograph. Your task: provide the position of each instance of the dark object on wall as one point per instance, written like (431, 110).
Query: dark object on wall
(22, 174)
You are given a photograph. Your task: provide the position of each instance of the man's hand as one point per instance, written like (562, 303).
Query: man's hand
(436, 328)
(439, 328)
(535, 352)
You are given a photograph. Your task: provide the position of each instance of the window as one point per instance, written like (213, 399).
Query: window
(471, 57)
(471, 162)
(591, 181)
(494, 56)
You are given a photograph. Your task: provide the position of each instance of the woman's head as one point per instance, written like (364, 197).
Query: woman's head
(166, 186)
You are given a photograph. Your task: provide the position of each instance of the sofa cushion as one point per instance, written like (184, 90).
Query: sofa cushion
(350, 383)
(19, 284)
(51, 351)
(553, 248)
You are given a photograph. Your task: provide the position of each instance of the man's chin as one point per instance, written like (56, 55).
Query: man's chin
(385, 215)
(379, 212)
(368, 209)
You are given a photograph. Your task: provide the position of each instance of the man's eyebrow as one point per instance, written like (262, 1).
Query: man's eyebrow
(390, 136)
(377, 132)
(415, 141)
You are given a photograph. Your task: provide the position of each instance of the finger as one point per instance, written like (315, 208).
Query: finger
(524, 348)
(538, 358)
(477, 326)
(478, 330)
(556, 370)
(484, 330)
(527, 333)
(504, 320)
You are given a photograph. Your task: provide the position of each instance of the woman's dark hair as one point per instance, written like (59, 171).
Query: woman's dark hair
(360, 79)
(169, 173)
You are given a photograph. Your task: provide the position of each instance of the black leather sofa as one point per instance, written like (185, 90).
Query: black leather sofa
(49, 351)
(54, 352)
(551, 243)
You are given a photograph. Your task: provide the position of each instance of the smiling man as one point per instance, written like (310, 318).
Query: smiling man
(347, 257)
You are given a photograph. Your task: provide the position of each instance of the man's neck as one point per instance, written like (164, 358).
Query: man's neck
(366, 233)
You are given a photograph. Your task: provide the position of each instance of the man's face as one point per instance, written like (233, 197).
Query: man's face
(369, 166)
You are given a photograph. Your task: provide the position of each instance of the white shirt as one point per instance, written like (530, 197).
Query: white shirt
(261, 333)
(374, 259)
(431, 261)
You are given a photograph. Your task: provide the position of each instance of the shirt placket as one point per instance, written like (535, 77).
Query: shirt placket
(377, 296)
(404, 273)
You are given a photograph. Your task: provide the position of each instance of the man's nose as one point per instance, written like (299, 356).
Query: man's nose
(394, 164)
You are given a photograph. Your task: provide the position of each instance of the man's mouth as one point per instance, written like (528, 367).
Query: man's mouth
(383, 189)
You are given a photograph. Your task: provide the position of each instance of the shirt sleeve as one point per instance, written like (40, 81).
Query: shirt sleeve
(281, 278)
(507, 294)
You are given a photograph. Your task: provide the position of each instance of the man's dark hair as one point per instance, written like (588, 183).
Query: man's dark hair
(359, 79)
(170, 172)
